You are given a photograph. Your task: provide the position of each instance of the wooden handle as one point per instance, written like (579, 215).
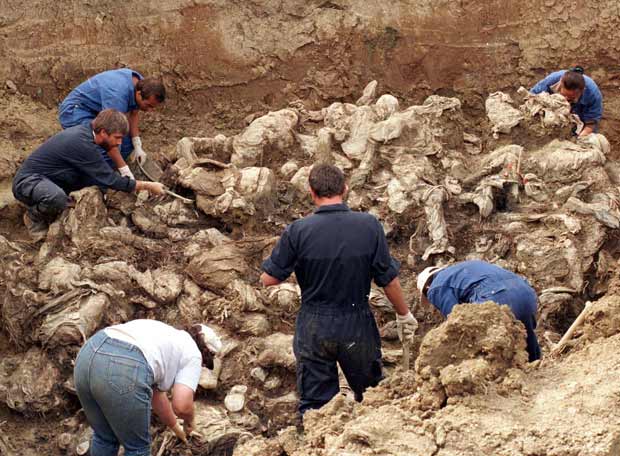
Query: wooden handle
(578, 321)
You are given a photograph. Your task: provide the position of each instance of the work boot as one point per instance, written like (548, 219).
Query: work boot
(36, 229)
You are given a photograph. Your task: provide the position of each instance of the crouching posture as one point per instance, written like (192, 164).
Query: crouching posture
(335, 254)
(70, 161)
(115, 372)
(477, 282)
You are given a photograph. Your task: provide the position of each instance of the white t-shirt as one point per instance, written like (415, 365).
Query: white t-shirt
(172, 354)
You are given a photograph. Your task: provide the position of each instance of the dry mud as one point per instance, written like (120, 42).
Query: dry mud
(466, 175)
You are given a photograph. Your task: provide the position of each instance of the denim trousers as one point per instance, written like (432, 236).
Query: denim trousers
(113, 382)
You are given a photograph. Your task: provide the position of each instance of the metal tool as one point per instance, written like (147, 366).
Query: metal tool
(150, 176)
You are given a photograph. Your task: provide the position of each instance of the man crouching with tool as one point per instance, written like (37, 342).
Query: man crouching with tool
(69, 161)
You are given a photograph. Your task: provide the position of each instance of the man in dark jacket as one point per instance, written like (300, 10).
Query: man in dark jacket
(476, 282)
(69, 161)
(335, 254)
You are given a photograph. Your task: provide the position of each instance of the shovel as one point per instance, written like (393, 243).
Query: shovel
(405, 342)
(578, 321)
(153, 172)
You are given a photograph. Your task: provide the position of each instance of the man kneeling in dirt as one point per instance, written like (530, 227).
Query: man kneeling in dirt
(335, 253)
(476, 282)
(70, 161)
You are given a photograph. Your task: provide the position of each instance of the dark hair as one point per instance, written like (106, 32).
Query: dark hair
(111, 121)
(207, 356)
(149, 87)
(326, 180)
(573, 79)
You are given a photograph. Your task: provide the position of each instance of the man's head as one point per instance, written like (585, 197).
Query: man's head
(572, 84)
(150, 93)
(326, 181)
(424, 278)
(110, 126)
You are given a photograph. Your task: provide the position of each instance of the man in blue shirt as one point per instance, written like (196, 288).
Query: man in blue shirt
(69, 161)
(335, 253)
(124, 90)
(476, 282)
(580, 91)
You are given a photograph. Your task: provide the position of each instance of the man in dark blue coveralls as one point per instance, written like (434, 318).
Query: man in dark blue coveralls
(477, 282)
(335, 253)
(124, 90)
(69, 161)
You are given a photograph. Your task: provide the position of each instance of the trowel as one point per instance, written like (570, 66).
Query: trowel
(153, 172)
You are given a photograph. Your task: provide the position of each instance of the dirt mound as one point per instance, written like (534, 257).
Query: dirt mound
(478, 345)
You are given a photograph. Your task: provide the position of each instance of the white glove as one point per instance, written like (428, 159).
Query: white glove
(212, 341)
(126, 172)
(406, 326)
(138, 152)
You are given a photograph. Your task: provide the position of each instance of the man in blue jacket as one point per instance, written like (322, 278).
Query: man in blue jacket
(70, 161)
(124, 90)
(335, 254)
(476, 282)
(580, 91)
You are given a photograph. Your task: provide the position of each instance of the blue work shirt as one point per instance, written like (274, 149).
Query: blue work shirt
(72, 160)
(113, 89)
(478, 281)
(589, 107)
(335, 254)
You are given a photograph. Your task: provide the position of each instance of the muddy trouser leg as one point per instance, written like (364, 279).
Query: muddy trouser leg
(317, 373)
(45, 200)
(359, 352)
(113, 382)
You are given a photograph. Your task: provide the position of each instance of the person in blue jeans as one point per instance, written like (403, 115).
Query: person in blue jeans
(124, 90)
(580, 91)
(476, 282)
(123, 372)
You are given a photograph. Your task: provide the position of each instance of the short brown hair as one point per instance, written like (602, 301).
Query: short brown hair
(326, 180)
(111, 121)
(149, 87)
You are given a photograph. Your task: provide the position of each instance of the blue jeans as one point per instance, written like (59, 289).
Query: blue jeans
(113, 382)
(70, 115)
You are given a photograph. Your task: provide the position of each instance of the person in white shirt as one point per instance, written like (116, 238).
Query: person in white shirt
(125, 371)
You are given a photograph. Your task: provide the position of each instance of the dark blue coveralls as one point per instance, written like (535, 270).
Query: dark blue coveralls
(335, 253)
(476, 282)
(111, 89)
(68, 161)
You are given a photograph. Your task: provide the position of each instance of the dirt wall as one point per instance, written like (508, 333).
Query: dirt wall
(263, 53)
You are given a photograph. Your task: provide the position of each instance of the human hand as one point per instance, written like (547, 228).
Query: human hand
(188, 427)
(138, 152)
(154, 188)
(126, 172)
(179, 432)
(406, 326)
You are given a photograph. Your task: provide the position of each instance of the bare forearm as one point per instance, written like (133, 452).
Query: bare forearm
(163, 409)
(268, 280)
(117, 158)
(394, 293)
(588, 129)
(134, 120)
